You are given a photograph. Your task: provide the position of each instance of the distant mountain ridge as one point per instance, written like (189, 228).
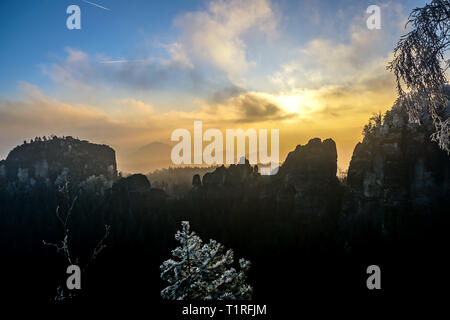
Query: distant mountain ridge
(155, 155)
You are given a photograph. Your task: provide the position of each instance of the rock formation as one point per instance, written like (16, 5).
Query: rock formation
(134, 183)
(398, 162)
(309, 175)
(53, 160)
(135, 191)
(397, 175)
(234, 181)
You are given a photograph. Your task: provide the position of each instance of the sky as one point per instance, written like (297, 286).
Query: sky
(137, 70)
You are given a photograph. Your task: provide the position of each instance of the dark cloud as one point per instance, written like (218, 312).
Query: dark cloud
(222, 95)
(254, 108)
(151, 75)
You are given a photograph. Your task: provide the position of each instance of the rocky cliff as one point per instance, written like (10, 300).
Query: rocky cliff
(397, 177)
(53, 160)
(397, 162)
(309, 176)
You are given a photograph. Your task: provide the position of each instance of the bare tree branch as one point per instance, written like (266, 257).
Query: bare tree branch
(63, 249)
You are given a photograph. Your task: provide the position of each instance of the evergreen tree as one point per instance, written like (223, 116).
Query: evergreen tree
(202, 271)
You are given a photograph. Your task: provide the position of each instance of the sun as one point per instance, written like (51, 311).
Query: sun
(291, 103)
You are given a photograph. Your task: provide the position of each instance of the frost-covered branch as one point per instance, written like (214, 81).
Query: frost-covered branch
(100, 246)
(203, 271)
(419, 66)
(64, 248)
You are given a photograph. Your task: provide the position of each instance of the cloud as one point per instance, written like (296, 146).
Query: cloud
(76, 72)
(34, 114)
(220, 96)
(178, 56)
(132, 110)
(81, 72)
(213, 38)
(325, 61)
(217, 34)
(255, 108)
(211, 47)
(125, 123)
(345, 59)
(245, 107)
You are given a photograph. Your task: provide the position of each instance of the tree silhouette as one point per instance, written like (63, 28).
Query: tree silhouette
(419, 66)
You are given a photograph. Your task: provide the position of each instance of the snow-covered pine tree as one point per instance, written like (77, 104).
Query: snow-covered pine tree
(203, 271)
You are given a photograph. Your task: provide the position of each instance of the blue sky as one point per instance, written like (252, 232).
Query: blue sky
(142, 68)
(34, 32)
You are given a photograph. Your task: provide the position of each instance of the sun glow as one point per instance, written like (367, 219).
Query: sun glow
(293, 103)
